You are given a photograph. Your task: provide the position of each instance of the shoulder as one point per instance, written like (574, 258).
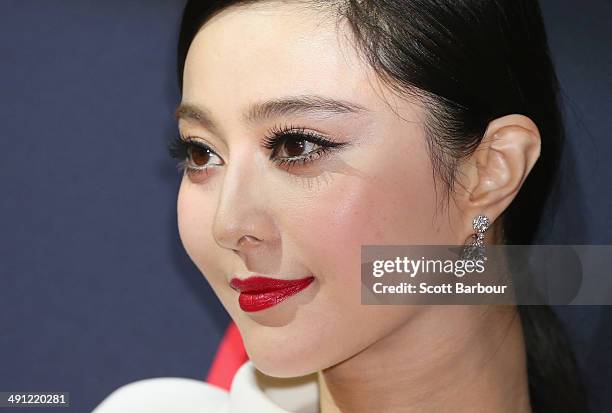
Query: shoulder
(166, 394)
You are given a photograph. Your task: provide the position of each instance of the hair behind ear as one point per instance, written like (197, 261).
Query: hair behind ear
(554, 382)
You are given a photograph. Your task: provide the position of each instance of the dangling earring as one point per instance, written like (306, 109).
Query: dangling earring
(475, 249)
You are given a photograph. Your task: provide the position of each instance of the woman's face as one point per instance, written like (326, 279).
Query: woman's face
(253, 211)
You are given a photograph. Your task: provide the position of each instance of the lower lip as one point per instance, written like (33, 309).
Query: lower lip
(266, 299)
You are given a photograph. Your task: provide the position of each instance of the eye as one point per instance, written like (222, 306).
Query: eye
(292, 145)
(296, 146)
(201, 155)
(193, 155)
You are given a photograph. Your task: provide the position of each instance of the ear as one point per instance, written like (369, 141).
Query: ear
(495, 172)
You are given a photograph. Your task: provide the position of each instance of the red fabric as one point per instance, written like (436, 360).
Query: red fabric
(230, 356)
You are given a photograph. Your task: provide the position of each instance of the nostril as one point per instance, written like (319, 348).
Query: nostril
(247, 239)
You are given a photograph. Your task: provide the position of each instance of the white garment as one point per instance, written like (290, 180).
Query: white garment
(250, 392)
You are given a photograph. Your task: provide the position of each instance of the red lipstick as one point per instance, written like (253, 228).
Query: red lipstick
(258, 293)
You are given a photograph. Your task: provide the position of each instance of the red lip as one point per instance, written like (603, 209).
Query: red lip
(258, 293)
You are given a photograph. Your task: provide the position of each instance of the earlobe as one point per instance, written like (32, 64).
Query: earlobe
(500, 164)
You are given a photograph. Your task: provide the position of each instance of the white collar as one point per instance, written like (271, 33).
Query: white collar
(252, 391)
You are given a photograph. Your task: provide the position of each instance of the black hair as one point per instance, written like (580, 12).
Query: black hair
(469, 62)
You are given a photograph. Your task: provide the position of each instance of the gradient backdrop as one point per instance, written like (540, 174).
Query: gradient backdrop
(96, 290)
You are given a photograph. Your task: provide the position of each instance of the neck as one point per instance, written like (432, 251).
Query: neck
(446, 358)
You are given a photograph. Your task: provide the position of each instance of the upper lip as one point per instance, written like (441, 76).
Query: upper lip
(260, 283)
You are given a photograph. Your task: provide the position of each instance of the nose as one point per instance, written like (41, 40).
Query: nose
(243, 220)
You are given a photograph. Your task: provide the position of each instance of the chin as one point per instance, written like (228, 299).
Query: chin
(282, 368)
(284, 357)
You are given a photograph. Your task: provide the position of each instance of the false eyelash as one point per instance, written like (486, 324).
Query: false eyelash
(280, 134)
(178, 148)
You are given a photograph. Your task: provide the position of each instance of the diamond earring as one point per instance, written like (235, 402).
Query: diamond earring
(475, 249)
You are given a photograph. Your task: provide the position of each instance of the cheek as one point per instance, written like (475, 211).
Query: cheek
(189, 222)
(195, 211)
(394, 205)
(369, 212)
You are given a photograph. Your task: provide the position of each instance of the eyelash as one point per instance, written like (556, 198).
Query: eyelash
(278, 136)
(180, 147)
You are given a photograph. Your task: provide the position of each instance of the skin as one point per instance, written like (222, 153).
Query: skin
(248, 215)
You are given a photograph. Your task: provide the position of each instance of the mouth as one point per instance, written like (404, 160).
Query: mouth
(258, 293)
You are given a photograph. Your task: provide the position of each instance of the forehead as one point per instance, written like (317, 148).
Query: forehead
(267, 50)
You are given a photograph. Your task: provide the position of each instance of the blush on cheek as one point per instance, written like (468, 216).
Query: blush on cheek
(364, 212)
(335, 226)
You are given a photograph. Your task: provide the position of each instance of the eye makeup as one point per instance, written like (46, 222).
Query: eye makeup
(290, 147)
(193, 156)
(300, 146)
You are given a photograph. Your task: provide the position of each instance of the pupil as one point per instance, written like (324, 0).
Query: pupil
(200, 156)
(294, 147)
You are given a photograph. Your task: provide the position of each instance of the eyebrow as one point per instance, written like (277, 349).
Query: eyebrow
(260, 111)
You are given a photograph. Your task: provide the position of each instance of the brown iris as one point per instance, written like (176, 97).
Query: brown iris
(200, 156)
(294, 147)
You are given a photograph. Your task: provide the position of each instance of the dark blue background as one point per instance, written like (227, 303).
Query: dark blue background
(96, 290)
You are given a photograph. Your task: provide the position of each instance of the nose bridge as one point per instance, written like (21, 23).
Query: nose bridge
(241, 210)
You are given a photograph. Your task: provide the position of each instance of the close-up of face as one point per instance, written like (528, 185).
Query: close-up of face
(310, 157)
(313, 206)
